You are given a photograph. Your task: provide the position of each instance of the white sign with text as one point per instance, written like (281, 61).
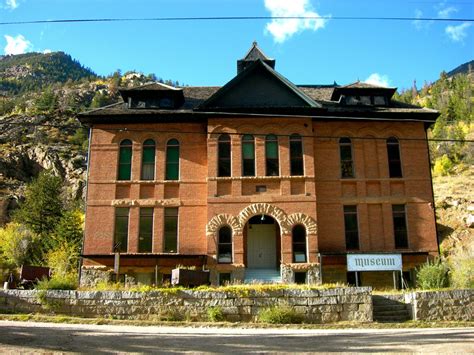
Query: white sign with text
(374, 262)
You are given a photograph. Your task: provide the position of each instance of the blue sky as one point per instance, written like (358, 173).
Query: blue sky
(205, 53)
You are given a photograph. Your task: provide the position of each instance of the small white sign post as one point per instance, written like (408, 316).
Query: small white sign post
(375, 262)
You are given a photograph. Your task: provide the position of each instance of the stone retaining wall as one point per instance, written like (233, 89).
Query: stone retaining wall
(453, 305)
(317, 306)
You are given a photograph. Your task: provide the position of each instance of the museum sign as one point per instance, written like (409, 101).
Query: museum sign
(374, 262)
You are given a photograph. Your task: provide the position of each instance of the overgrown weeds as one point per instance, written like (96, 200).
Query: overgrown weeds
(280, 315)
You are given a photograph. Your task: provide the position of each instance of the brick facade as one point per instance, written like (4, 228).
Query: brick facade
(207, 202)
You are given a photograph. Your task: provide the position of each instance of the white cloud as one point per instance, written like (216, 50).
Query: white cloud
(446, 12)
(283, 29)
(378, 80)
(17, 45)
(46, 51)
(457, 33)
(11, 4)
(421, 24)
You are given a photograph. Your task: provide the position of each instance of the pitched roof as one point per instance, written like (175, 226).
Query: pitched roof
(258, 66)
(255, 53)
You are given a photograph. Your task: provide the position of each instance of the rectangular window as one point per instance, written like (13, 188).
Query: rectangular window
(248, 158)
(345, 151)
(171, 230)
(145, 234)
(121, 229)
(351, 227)
(400, 226)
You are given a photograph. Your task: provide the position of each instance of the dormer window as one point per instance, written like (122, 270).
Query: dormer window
(365, 100)
(380, 100)
(166, 102)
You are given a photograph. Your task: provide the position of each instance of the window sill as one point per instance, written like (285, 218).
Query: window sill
(259, 178)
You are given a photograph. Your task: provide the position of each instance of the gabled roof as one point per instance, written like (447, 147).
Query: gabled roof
(259, 67)
(255, 53)
(361, 88)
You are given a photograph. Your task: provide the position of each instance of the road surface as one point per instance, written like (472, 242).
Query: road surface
(101, 339)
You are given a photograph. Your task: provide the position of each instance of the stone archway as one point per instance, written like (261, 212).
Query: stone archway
(223, 219)
(265, 209)
(305, 220)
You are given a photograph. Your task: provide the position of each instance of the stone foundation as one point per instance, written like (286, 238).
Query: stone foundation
(91, 276)
(313, 273)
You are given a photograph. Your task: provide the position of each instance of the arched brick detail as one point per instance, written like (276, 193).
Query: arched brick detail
(264, 208)
(220, 220)
(305, 220)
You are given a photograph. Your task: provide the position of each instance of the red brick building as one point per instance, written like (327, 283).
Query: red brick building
(259, 179)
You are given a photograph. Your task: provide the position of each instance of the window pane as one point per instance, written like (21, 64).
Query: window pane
(125, 160)
(394, 162)
(271, 150)
(248, 151)
(351, 227)
(299, 244)
(171, 230)
(224, 252)
(145, 236)
(224, 153)
(121, 230)
(296, 155)
(400, 226)
(172, 160)
(149, 154)
(345, 152)
(272, 167)
(248, 167)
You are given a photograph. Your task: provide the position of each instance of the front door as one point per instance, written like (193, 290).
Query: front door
(261, 246)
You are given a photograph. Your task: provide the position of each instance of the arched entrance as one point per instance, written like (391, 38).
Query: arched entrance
(262, 243)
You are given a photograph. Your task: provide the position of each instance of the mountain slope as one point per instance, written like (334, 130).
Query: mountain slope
(31, 71)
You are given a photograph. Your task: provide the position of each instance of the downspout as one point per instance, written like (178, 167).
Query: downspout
(432, 192)
(85, 203)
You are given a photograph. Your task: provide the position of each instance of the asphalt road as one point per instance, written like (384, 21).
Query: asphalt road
(102, 339)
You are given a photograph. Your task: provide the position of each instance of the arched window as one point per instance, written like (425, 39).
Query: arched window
(299, 244)
(223, 155)
(394, 162)
(296, 155)
(224, 252)
(148, 160)
(248, 155)
(271, 155)
(172, 160)
(345, 151)
(125, 160)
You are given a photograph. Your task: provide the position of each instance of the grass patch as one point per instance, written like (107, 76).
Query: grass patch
(339, 325)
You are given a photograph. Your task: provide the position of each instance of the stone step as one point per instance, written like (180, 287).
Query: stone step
(262, 276)
(402, 312)
(392, 319)
(389, 307)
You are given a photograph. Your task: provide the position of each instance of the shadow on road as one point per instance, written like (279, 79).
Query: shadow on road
(100, 340)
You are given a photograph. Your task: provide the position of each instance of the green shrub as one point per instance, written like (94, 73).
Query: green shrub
(214, 314)
(280, 315)
(432, 275)
(67, 282)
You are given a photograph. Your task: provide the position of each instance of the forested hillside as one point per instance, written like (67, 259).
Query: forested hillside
(40, 95)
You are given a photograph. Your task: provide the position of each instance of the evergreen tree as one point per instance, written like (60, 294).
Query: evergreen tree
(42, 208)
